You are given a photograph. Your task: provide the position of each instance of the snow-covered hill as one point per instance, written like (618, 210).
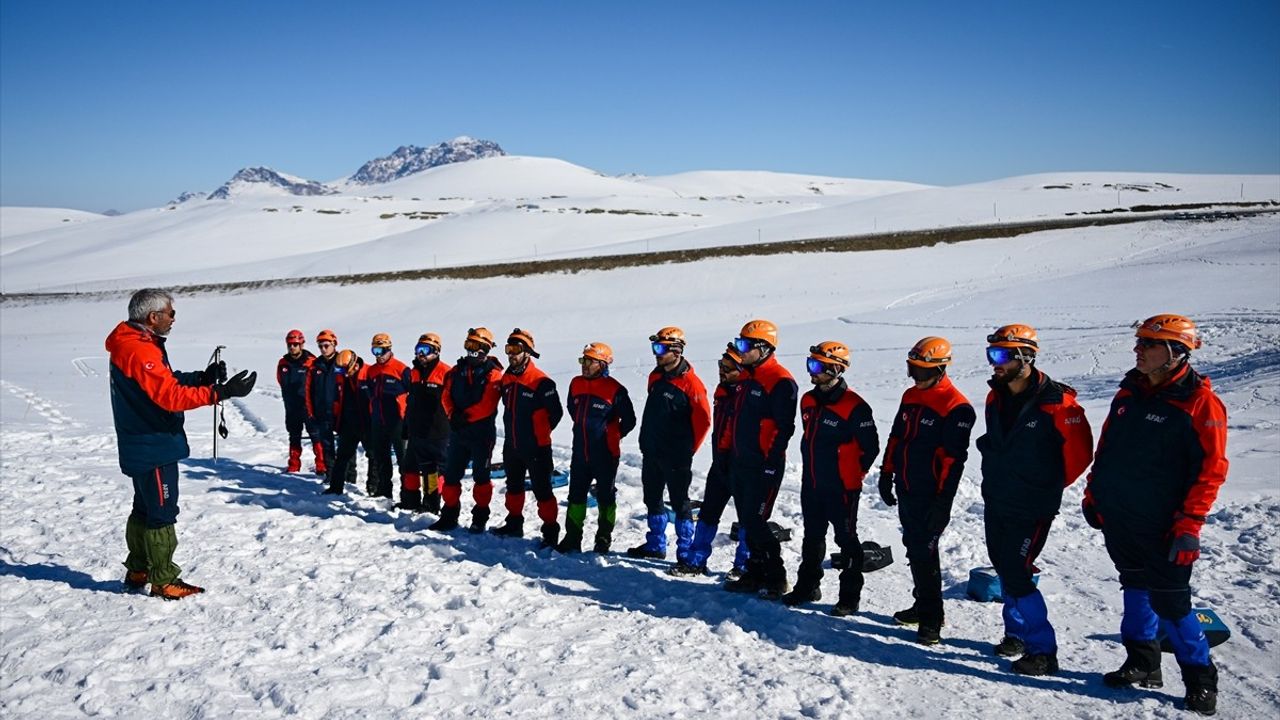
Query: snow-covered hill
(511, 208)
(325, 607)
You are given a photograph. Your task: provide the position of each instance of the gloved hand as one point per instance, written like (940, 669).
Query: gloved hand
(886, 488)
(215, 373)
(1090, 512)
(238, 386)
(1184, 546)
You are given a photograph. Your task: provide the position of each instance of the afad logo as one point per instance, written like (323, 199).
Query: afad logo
(1120, 410)
(149, 366)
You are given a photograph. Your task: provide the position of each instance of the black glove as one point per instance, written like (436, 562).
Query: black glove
(238, 386)
(215, 373)
(886, 488)
(1090, 513)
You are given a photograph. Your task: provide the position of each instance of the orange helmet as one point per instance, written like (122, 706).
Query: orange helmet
(347, 360)
(732, 354)
(598, 351)
(431, 339)
(1014, 336)
(523, 338)
(1171, 328)
(295, 336)
(762, 330)
(326, 335)
(932, 351)
(381, 340)
(670, 335)
(481, 336)
(831, 352)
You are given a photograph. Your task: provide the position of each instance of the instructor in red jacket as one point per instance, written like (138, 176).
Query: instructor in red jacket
(147, 402)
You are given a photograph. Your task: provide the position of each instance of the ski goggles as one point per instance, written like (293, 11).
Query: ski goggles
(585, 361)
(379, 351)
(746, 345)
(1147, 343)
(340, 371)
(817, 367)
(1002, 355)
(660, 349)
(425, 349)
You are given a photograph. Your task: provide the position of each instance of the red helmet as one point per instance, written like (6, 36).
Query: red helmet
(930, 352)
(295, 336)
(1169, 327)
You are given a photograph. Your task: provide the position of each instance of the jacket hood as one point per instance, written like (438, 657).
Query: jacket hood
(127, 332)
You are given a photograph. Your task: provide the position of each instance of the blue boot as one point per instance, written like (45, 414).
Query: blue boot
(655, 544)
(1190, 646)
(684, 539)
(1139, 622)
(741, 555)
(694, 561)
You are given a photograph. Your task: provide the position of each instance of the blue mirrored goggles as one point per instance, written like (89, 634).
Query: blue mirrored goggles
(1002, 355)
(660, 349)
(744, 345)
(340, 370)
(425, 349)
(379, 351)
(817, 367)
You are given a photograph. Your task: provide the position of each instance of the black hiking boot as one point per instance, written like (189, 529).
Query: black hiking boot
(926, 635)
(642, 551)
(1202, 688)
(448, 519)
(1141, 666)
(1037, 664)
(432, 503)
(479, 520)
(843, 608)
(684, 569)
(550, 534)
(570, 544)
(747, 582)
(910, 616)
(802, 595)
(513, 528)
(1010, 646)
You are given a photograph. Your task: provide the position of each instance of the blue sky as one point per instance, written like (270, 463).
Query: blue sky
(125, 105)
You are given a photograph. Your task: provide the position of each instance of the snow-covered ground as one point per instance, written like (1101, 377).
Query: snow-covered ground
(326, 607)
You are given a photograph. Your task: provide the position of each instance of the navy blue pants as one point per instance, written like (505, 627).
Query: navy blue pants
(674, 474)
(753, 495)
(922, 554)
(295, 421)
(603, 469)
(155, 496)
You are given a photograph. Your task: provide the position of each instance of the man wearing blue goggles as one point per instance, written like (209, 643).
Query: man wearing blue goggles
(1037, 442)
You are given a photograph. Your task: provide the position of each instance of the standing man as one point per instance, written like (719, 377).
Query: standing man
(838, 448)
(1161, 459)
(677, 416)
(291, 374)
(385, 387)
(147, 402)
(471, 392)
(1037, 443)
(531, 411)
(321, 395)
(602, 415)
(718, 490)
(924, 460)
(352, 413)
(766, 420)
(428, 427)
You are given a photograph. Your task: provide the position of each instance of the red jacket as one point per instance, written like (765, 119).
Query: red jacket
(929, 442)
(840, 441)
(473, 389)
(765, 414)
(532, 408)
(386, 391)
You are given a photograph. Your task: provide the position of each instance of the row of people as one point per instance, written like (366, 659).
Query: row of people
(1159, 463)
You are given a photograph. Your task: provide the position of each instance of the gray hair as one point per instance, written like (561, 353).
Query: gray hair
(146, 301)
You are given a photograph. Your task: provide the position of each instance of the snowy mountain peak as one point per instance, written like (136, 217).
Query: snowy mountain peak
(263, 177)
(410, 159)
(189, 196)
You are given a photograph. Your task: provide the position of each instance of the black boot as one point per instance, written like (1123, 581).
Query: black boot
(850, 592)
(1010, 646)
(448, 519)
(802, 594)
(775, 584)
(410, 500)
(1202, 688)
(479, 519)
(513, 527)
(550, 534)
(750, 581)
(927, 635)
(1038, 664)
(1141, 667)
(431, 503)
(910, 616)
(572, 541)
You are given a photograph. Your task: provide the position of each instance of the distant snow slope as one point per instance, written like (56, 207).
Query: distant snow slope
(16, 221)
(346, 608)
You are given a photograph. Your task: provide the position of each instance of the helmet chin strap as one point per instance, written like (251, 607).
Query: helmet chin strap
(1174, 360)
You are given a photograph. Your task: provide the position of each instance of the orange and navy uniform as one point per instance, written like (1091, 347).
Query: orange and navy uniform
(723, 403)
(840, 442)
(291, 375)
(1162, 452)
(602, 415)
(1036, 444)
(472, 391)
(386, 392)
(764, 416)
(148, 399)
(350, 409)
(321, 391)
(531, 409)
(424, 409)
(929, 442)
(677, 413)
